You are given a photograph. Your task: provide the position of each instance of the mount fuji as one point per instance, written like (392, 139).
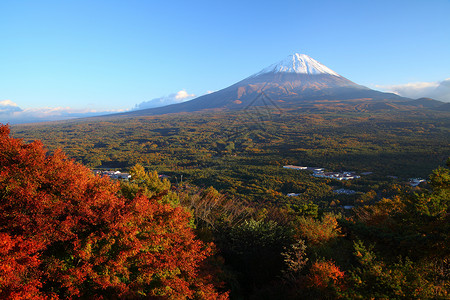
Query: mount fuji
(296, 82)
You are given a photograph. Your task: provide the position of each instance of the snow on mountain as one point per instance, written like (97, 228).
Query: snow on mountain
(300, 64)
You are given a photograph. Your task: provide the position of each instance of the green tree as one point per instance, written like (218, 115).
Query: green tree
(410, 225)
(254, 250)
(372, 278)
(148, 184)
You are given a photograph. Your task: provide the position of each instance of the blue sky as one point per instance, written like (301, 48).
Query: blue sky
(81, 56)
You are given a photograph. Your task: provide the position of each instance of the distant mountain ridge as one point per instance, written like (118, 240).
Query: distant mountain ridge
(298, 81)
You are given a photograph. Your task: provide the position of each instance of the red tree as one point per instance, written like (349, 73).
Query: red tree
(65, 233)
(324, 274)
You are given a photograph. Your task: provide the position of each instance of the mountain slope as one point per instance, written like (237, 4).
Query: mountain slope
(425, 102)
(295, 82)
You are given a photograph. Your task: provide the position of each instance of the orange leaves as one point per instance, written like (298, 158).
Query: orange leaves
(17, 257)
(318, 232)
(66, 233)
(325, 274)
(381, 213)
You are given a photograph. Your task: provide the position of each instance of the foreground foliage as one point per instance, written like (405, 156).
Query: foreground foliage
(65, 233)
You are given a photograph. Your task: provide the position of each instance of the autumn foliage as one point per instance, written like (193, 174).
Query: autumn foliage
(316, 231)
(65, 233)
(324, 274)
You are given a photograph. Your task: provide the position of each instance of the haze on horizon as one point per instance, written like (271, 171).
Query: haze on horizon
(80, 58)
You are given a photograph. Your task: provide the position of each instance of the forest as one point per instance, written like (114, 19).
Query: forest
(241, 154)
(225, 205)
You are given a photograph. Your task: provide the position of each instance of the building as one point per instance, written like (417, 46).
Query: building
(113, 174)
(336, 175)
(315, 169)
(319, 172)
(416, 181)
(294, 167)
(344, 191)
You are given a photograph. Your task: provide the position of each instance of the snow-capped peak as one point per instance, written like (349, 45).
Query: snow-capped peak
(298, 63)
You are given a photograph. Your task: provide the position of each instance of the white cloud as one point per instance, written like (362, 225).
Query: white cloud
(7, 103)
(178, 97)
(7, 107)
(11, 113)
(411, 90)
(439, 90)
(442, 92)
(182, 95)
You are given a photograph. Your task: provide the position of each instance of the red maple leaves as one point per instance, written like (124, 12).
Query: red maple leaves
(65, 233)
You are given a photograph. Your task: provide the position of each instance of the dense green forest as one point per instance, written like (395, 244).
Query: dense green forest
(226, 169)
(241, 154)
